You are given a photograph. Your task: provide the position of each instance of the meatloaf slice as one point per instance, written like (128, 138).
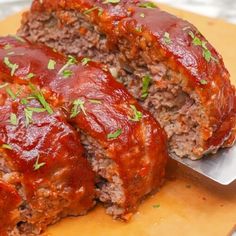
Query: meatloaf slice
(164, 62)
(44, 175)
(125, 145)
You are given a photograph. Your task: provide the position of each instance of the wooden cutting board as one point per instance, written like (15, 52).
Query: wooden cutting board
(187, 204)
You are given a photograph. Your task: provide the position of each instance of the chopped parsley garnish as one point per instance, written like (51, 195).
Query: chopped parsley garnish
(24, 101)
(13, 119)
(198, 42)
(90, 10)
(71, 61)
(3, 85)
(67, 73)
(146, 82)
(137, 114)
(10, 65)
(156, 206)
(51, 64)
(203, 81)
(95, 101)
(138, 29)
(166, 38)
(11, 93)
(39, 96)
(38, 165)
(111, 1)
(115, 135)
(142, 15)
(30, 76)
(78, 105)
(28, 116)
(29, 113)
(100, 10)
(7, 146)
(19, 92)
(85, 61)
(148, 5)
(7, 46)
(19, 38)
(36, 109)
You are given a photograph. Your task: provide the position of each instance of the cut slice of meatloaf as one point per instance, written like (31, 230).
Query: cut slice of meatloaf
(164, 62)
(44, 175)
(124, 144)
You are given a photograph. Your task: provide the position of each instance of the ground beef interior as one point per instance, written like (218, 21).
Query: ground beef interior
(177, 109)
(109, 187)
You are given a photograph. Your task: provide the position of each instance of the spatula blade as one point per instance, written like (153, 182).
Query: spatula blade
(220, 167)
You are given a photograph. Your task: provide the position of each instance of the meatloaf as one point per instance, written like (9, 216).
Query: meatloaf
(126, 147)
(164, 62)
(44, 175)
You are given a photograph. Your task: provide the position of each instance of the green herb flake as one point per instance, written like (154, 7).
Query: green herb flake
(30, 76)
(95, 101)
(13, 119)
(156, 206)
(78, 105)
(111, 1)
(11, 93)
(38, 165)
(146, 83)
(10, 65)
(191, 34)
(137, 114)
(71, 61)
(3, 85)
(198, 42)
(142, 15)
(148, 5)
(39, 96)
(24, 101)
(203, 81)
(51, 64)
(100, 10)
(18, 38)
(138, 29)
(7, 46)
(166, 38)
(36, 109)
(28, 116)
(67, 73)
(85, 61)
(7, 146)
(115, 135)
(207, 55)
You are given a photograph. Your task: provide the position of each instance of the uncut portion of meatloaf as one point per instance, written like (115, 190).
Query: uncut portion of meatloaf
(44, 175)
(164, 62)
(125, 145)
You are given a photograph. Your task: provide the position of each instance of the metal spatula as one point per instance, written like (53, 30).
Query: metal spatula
(220, 167)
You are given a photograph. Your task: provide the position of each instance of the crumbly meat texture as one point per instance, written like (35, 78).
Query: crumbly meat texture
(191, 96)
(126, 147)
(42, 166)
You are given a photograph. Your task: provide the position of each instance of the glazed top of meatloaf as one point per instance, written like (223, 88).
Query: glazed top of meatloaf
(174, 41)
(43, 149)
(100, 107)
